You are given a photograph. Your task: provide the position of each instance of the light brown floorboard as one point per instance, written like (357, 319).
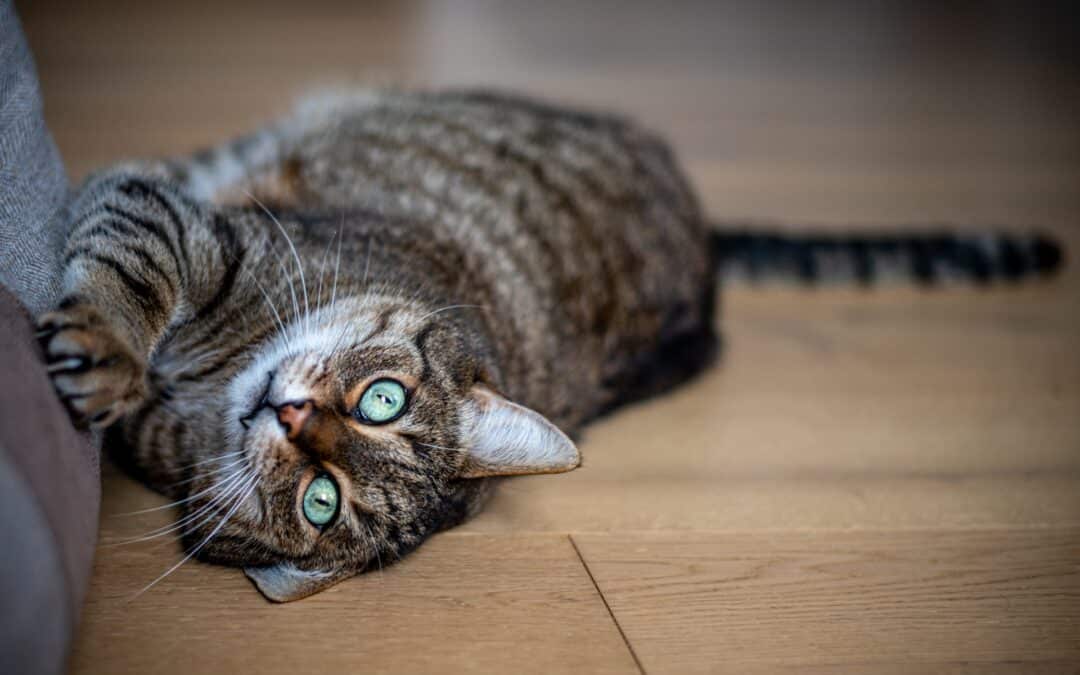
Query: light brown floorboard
(844, 602)
(841, 409)
(476, 603)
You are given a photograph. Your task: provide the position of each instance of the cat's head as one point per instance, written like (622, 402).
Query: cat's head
(362, 431)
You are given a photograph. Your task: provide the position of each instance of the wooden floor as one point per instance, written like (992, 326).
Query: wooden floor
(869, 482)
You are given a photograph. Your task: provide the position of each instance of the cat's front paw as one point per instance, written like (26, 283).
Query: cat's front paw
(97, 376)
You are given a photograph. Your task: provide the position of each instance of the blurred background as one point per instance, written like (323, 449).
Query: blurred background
(826, 111)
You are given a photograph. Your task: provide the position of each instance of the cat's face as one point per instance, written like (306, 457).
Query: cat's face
(359, 433)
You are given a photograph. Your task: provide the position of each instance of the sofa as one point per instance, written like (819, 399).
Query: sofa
(49, 479)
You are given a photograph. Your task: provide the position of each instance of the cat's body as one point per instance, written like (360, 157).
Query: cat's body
(509, 268)
(484, 244)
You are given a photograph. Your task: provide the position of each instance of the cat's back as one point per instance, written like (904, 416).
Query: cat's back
(578, 229)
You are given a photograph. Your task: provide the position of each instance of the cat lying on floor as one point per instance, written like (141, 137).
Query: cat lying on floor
(325, 339)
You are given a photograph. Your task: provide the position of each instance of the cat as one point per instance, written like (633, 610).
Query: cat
(327, 338)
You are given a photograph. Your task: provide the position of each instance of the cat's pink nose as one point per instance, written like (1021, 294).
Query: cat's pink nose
(293, 415)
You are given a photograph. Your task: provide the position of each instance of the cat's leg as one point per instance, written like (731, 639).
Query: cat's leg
(266, 163)
(226, 174)
(139, 257)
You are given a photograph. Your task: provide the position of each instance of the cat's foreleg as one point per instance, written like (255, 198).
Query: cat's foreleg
(139, 255)
(267, 163)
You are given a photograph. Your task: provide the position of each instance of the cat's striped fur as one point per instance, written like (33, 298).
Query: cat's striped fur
(520, 268)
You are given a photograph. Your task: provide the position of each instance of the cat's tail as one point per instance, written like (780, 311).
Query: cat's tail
(921, 256)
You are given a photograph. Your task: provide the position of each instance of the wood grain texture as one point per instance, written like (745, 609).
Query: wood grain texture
(895, 409)
(474, 603)
(844, 602)
(868, 482)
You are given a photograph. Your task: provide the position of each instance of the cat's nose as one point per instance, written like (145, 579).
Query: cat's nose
(292, 415)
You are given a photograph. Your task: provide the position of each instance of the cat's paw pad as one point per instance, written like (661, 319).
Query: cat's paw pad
(96, 374)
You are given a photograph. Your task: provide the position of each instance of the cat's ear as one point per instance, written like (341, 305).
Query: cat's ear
(506, 439)
(284, 582)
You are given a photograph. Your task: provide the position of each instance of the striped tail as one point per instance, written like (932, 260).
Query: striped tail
(926, 258)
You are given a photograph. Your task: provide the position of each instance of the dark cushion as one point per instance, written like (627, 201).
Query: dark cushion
(49, 497)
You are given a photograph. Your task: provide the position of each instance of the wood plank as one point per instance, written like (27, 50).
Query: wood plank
(840, 409)
(929, 601)
(462, 603)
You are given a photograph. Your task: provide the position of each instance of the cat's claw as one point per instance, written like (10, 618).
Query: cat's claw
(96, 375)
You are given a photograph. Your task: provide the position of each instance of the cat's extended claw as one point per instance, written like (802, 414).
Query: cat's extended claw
(96, 375)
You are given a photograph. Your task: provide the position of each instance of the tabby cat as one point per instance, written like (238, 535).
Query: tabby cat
(324, 339)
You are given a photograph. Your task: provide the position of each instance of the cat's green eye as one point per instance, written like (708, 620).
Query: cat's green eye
(382, 402)
(321, 501)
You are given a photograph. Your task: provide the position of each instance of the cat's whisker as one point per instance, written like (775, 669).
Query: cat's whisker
(337, 264)
(270, 304)
(211, 460)
(288, 239)
(307, 310)
(170, 504)
(240, 500)
(333, 295)
(232, 461)
(216, 470)
(438, 447)
(236, 483)
(448, 308)
(217, 458)
(322, 274)
(292, 287)
(265, 295)
(227, 487)
(233, 490)
(337, 267)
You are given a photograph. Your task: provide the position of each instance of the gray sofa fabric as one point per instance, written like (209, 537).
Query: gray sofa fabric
(49, 480)
(33, 184)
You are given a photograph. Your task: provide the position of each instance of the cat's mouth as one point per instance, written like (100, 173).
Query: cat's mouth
(260, 402)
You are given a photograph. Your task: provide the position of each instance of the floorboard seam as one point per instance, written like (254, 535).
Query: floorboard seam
(603, 598)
